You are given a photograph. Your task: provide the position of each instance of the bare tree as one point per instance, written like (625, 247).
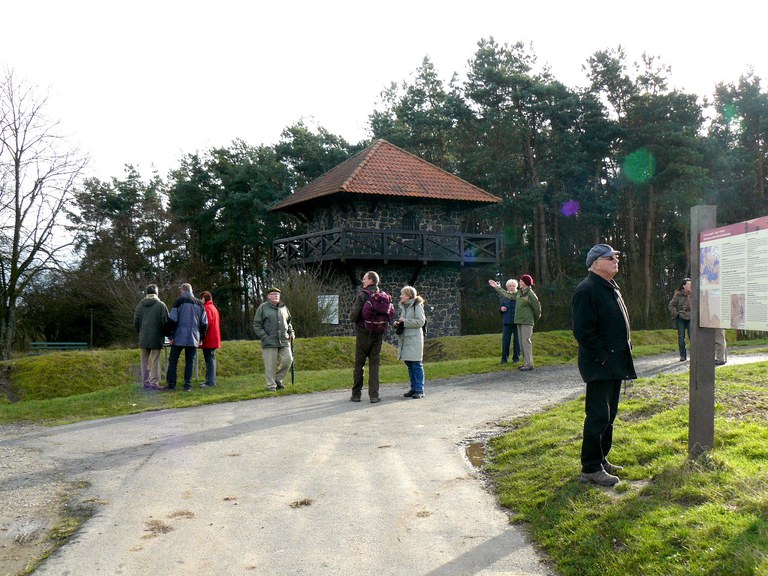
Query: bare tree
(38, 172)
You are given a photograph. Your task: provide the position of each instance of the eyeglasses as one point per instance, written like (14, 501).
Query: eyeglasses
(615, 257)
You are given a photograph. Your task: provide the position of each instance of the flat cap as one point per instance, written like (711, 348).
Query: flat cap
(598, 251)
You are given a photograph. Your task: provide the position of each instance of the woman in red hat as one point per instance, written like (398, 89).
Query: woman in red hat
(527, 312)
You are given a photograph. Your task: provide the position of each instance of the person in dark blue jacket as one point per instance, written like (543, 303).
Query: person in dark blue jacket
(601, 327)
(188, 324)
(509, 332)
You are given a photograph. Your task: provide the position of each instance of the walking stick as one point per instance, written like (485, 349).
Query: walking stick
(293, 364)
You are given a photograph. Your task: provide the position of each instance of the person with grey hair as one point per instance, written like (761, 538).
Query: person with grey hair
(410, 347)
(149, 320)
(189, 324)
(509, 331)
(527, 313)
(601, 327)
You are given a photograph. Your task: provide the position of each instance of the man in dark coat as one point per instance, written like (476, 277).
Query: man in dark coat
(149, 320)
(601, 327)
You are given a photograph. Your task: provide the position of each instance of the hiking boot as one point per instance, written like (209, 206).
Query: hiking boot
(375, 400)
(280, 385)
(418, 395)
(409, 394)
(355, 399)
(601, 478)
(612, 468)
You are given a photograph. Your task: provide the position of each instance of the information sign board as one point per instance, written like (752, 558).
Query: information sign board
(733, 276)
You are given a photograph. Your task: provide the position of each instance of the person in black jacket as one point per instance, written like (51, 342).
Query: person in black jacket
(601, 327)
(509, 331)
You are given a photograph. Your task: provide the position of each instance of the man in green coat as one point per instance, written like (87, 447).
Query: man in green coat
(272, 325)
(149, 320)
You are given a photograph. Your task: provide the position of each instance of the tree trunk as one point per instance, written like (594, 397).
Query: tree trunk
(648, 256)
(7, 330)
(760, 170)
(596, 239)
(542, 266)
(556, 246)
(631, 231)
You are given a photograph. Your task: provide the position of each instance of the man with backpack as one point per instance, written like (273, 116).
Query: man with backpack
(372, 312)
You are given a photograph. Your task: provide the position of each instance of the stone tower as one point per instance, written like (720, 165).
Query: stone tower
(387, 210)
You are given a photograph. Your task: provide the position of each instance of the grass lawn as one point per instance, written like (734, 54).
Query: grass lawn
(668, 516)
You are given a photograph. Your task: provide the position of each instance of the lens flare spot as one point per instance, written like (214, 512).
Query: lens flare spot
(570, 208)
(640, 166)
(729, 112)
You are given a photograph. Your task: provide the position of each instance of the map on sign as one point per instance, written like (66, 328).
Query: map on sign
(733, 277)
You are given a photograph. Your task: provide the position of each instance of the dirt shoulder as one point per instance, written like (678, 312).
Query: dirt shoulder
(33, 503)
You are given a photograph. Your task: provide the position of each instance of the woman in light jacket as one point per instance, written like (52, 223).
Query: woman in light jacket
(411, 345)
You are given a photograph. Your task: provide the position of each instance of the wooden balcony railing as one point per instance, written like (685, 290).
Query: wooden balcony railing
(346, 244)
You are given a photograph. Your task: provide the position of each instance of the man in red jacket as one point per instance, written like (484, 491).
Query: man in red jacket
(212, 340)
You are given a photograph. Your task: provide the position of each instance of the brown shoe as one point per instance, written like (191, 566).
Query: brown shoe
(612, 468)
(601, 478)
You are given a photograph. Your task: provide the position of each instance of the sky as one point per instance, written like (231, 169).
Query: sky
(147, 82)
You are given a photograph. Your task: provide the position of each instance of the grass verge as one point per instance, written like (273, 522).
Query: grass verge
(669, 516)
(65, 387)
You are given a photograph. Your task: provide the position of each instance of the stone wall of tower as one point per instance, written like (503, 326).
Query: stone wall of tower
(437, 284)
(388, 214)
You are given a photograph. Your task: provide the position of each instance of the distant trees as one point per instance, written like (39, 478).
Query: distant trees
(738, 149)
(209, 224)
(38, 172)
(221, 201)
(621, 161)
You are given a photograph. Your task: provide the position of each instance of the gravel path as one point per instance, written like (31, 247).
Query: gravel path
(404, 462)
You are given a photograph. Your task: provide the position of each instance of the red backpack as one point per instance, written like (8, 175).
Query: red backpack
(378, 312)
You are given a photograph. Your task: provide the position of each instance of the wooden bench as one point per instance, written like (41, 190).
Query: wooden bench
(40, 347)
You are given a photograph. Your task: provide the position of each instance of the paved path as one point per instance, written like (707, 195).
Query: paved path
(309, 484)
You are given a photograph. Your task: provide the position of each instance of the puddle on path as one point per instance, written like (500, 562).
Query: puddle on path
(476, 454)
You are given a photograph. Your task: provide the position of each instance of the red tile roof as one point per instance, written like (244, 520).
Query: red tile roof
(383, 169)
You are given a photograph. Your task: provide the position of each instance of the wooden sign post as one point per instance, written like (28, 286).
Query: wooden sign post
(701, 410)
